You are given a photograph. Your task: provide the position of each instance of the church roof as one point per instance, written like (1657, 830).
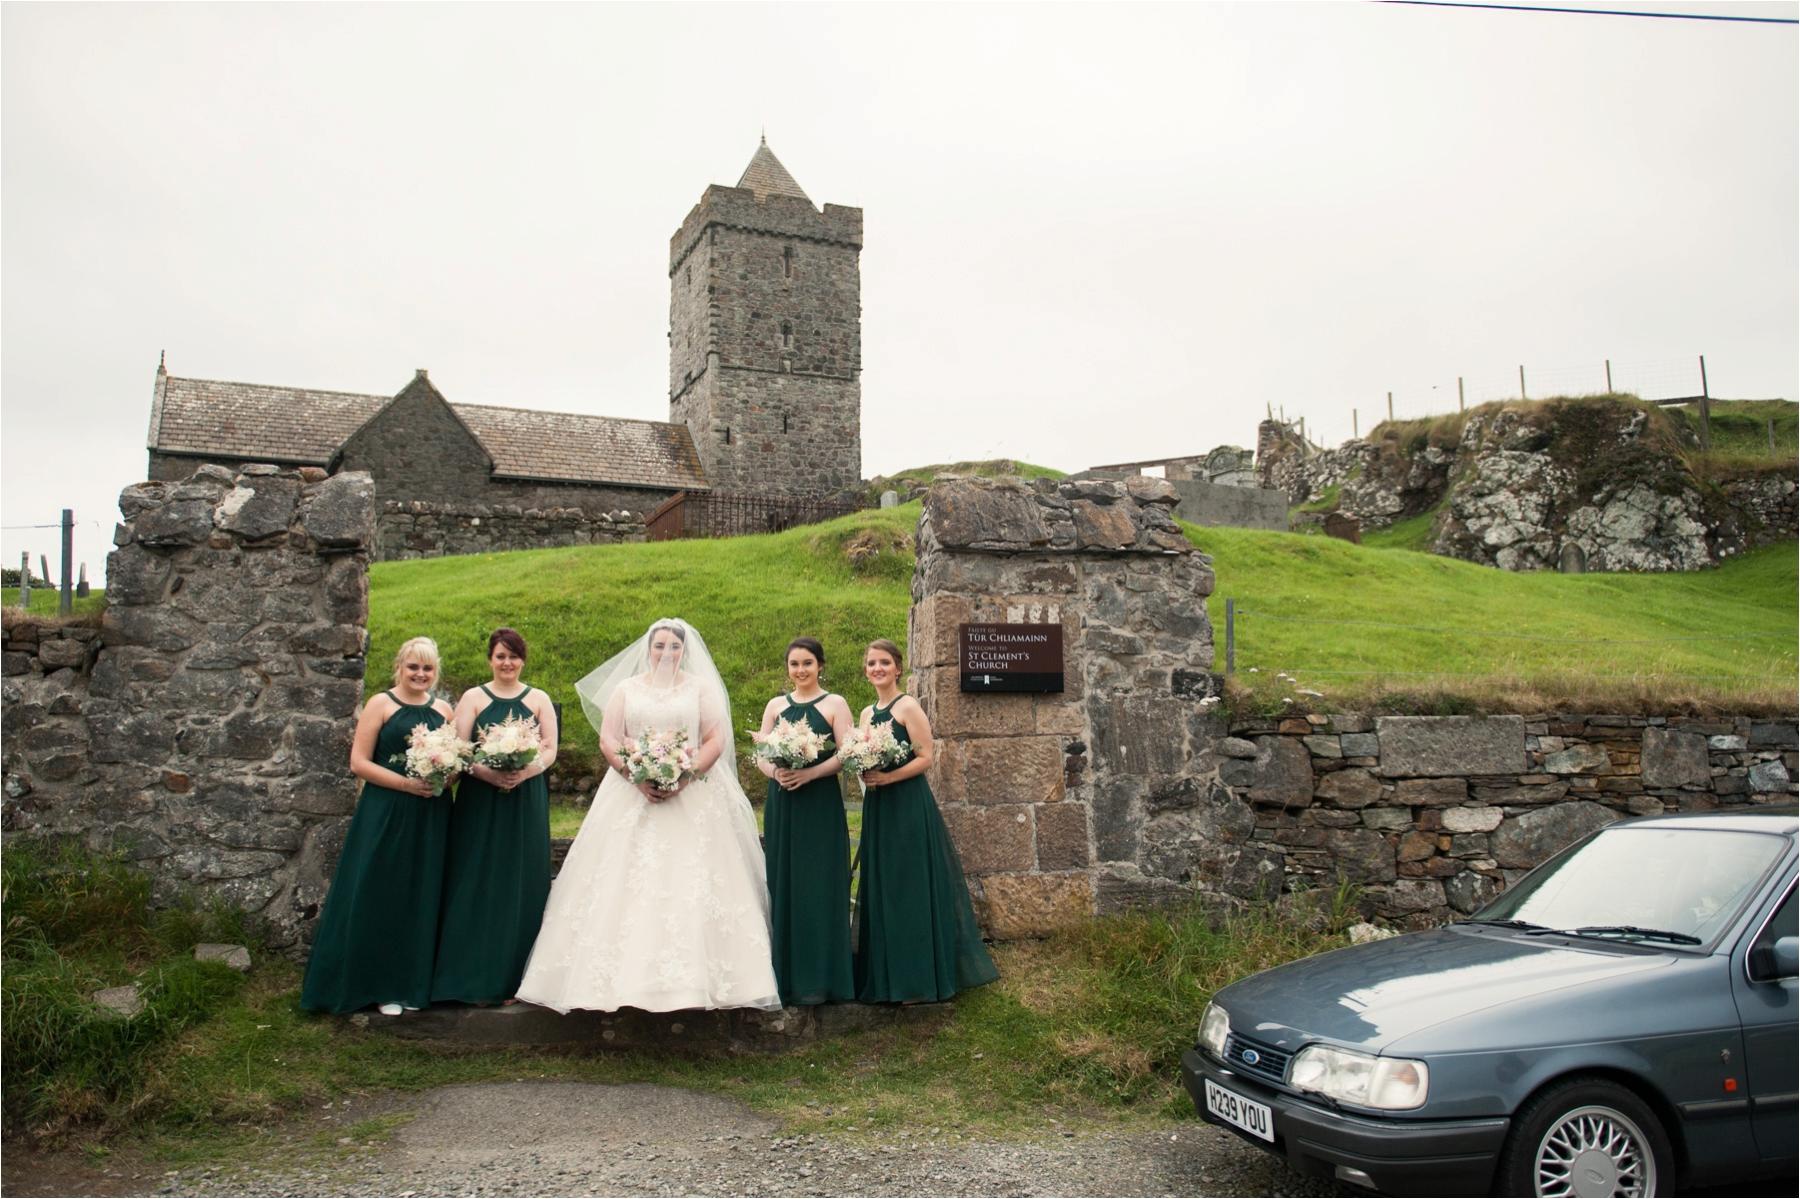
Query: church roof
(765, 176)
(257, 423)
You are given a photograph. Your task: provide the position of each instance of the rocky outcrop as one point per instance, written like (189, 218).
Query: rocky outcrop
(1597, 483)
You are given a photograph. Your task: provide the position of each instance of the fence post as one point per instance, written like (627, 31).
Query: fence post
(1705, 408)
(1459, 393)
(1354, 434)
(1230, 636)
(1390, 407)
(25, 576)
(1522, 394)
(44, 568)
(1609, 389)
(66, 605)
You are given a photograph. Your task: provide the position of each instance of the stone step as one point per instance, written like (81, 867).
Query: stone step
(738, 1030)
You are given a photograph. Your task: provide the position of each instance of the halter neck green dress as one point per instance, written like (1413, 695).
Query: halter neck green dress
(496, 879)
(377, 934)
(806, 843)
(916, 936)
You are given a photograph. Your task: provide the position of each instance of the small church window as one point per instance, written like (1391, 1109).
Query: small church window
(690, 275)
(725, 434)
(784, 423)
(787, 334)
(787, 261)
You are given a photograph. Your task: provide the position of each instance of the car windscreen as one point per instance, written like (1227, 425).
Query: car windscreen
(1686, 881)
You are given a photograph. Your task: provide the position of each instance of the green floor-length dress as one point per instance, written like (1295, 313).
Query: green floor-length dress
(916, 936)
(377, 934)
(496, 879)
(806, 842)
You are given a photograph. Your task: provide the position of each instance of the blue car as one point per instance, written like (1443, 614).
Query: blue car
(1620, 1022)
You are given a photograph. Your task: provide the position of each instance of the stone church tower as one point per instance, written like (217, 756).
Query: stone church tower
(765, 336)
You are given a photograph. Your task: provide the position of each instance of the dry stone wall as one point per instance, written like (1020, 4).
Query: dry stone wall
(1432, 816)
(419, 529)
(203, 731)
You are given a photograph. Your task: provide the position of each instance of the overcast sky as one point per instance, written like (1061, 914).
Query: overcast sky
(1093, 234)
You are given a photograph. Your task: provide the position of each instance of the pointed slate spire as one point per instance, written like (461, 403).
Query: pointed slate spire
(765, 176)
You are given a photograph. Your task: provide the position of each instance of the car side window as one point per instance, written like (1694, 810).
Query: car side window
(1781, 924)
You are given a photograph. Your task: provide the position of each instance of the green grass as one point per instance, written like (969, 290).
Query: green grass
(46, 600)
(845, 581)
(1740, 434)
(1327, 501)
(75, 924)
(1089, 1024)
(1365, 625)
(1412, 533)
(1398, 629)
(986, 468)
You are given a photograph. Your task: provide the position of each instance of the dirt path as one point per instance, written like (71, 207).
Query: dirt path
(532, 1138)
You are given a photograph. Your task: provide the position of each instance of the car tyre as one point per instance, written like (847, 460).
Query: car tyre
(1586, 1136)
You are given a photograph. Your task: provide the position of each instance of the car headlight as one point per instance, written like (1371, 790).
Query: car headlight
(1388, 1083)
(1215, 1026)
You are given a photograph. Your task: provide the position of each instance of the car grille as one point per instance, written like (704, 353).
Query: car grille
(1270, 1063)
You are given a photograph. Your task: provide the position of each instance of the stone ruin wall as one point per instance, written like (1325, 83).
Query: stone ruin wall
(1133, 788)
(421, 529)
(203, 729)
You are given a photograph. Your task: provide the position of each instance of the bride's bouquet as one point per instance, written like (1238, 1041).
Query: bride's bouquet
(873, 748)
(510, 745)
(791, 745)
(435, 755)
(659, 757)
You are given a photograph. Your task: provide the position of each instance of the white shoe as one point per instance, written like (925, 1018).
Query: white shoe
(390, 1009)
(409, 1007)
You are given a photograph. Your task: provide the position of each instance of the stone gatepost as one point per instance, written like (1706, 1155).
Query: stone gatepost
(208, 740)
(1104, 795)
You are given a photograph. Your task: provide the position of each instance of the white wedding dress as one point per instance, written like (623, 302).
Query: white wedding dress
(659, 906)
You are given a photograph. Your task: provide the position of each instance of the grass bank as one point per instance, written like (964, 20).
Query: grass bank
(46, 600)
(1089, 1023)
(1364, 625)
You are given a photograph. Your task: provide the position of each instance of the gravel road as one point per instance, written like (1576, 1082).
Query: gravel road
(534, 1138)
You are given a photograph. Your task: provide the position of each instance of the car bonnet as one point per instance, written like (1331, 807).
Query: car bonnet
(1368, 996)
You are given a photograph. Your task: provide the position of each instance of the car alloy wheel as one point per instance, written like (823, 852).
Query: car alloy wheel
(1594, 1150)
(1585, 1136)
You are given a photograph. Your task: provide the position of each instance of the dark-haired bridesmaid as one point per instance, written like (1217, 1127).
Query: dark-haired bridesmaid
(917, 940)
(806, 841)
(378, 931)
(497, 874)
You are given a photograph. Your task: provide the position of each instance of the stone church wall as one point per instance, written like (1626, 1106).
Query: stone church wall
(419, 450)
(203, 730)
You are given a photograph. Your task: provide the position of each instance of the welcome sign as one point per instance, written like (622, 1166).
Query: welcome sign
(1010, 657)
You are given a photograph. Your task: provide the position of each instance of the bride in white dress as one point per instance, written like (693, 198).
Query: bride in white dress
(662, 903)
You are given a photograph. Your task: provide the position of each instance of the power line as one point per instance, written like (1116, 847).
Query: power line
(1598, 12)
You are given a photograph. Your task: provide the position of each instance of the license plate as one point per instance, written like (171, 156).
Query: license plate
(1239, 1112)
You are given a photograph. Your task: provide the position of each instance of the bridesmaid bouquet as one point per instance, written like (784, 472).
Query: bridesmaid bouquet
(660, 758)
(510, 745)
(434, 755)
(791, 745)
(872, 748)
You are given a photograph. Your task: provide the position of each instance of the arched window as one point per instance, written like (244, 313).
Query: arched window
(787, 335)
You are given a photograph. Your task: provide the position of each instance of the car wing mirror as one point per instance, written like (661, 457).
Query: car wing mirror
(1780, 960)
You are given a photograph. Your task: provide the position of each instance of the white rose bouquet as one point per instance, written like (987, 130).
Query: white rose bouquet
(435, 755)
(510, 745)
(791, 745)
(873, 748)
(659, 757)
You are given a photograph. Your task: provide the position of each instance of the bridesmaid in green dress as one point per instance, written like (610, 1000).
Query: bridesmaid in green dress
(807, 843)
(377, 934)
(917, 940)
(497, 875)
